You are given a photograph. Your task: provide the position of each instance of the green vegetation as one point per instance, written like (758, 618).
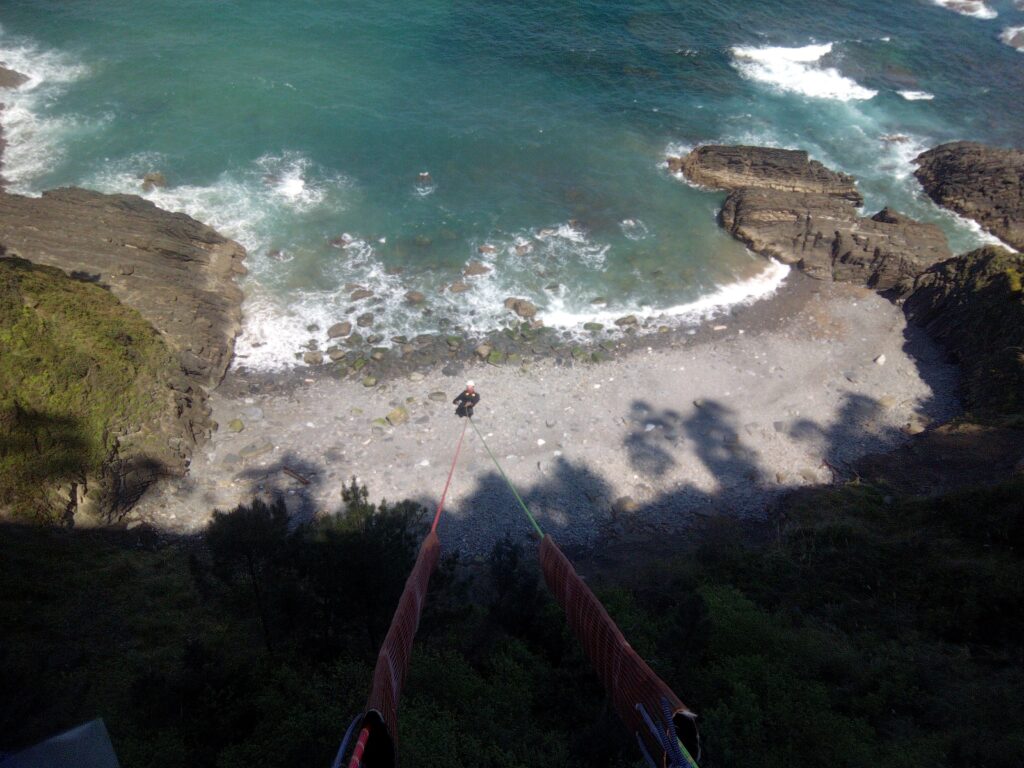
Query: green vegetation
(974, 305)
(77, 369)
(864, 631)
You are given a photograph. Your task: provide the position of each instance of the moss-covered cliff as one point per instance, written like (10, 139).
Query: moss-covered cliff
(974, 306)
(93, 405)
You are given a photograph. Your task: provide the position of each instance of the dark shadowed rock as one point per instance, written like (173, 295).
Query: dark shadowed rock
(974, 306)
(983, 183)
(738, 167)
(182, 272)
(823, 236)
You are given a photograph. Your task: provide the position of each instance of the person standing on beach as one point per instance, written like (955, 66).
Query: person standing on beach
(466, 400)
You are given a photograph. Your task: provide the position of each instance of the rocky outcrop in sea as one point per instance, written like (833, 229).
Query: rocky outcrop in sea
(783, 205)
(983, 183)
(743, 167)
(175, 271)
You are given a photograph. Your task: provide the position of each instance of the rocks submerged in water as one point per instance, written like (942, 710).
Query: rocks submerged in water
(524, 308)
(153, 180)
(475, 269)
(415, 297)
(339, 330)
(11, 79)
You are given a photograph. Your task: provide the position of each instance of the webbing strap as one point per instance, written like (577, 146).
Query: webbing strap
(508, 482)
(444, 493)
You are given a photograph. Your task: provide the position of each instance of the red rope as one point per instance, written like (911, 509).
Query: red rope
(440, 506)
(357, 753)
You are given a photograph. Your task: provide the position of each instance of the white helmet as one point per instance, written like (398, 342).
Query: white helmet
(470, 385)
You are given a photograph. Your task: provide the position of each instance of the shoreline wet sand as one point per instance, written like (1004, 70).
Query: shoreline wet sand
(674, 426)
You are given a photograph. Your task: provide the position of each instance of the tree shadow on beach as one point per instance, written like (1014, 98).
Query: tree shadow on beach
(291, 478)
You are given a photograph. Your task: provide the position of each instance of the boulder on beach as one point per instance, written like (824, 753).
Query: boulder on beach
(983, 183)
(360, 294)
(365, 320)
(787, 170)
(522, 307)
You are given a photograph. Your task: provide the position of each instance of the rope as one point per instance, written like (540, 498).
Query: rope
(444, 493)
(357, 753)
(511, 487)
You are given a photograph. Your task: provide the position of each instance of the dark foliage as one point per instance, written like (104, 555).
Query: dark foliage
(868, 632)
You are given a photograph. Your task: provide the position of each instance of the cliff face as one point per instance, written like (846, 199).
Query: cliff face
(175, 271)
(104, 362)
(983, 183)
(974, 306)
(783, 205)
(93, 404)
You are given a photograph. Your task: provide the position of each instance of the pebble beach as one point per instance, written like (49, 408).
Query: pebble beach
(717, 419)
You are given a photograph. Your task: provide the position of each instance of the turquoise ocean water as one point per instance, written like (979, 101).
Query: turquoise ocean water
(543, 127)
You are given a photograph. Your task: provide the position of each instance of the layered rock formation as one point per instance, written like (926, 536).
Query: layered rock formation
(974, 306)
(983, 183)
(786, 170)
(784, 205)
(824, 237)
(175, 271)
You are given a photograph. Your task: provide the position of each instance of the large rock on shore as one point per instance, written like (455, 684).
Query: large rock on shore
(983, 183)
(823, 236)
(742, 167)
(175, 271)
(974, 306)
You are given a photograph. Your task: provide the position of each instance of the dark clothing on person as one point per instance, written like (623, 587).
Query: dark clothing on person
(466, 400)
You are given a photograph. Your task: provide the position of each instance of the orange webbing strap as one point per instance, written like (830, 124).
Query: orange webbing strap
(393, 661)
(640, 697)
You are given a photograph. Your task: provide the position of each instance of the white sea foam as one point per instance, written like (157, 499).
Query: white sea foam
(1013, 37)
(634, 229)
(35, 139)
(244, 204)
(916, 95)
(747, 291)
(975, 8)
(798, 70)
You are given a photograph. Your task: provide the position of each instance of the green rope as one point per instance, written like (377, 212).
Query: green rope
(533, 521)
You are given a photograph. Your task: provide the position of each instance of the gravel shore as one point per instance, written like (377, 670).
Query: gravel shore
(713, 420)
